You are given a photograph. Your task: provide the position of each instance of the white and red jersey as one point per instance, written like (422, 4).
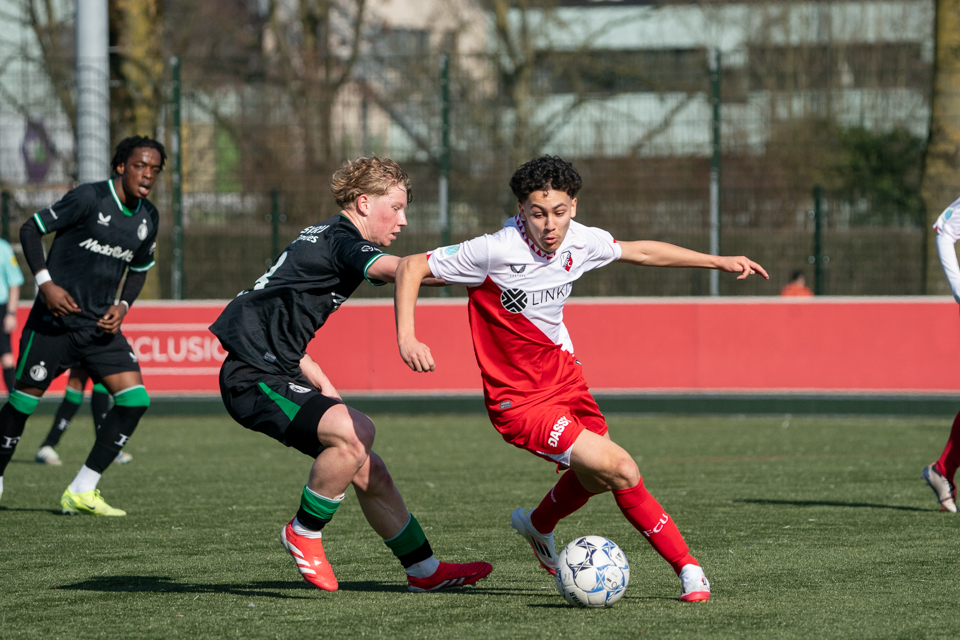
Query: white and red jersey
(517, 293)
(948, 232)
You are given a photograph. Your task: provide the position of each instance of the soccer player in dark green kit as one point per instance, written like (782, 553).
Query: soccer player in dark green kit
(269, 383)
(106, 233)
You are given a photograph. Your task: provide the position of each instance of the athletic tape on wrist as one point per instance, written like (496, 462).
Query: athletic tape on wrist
(42, 277)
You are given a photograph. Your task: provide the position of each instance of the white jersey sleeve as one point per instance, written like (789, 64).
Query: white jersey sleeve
(601, 247)
(465, 263)
(948, 232)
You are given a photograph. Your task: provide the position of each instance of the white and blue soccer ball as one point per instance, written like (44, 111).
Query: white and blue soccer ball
(592, 572)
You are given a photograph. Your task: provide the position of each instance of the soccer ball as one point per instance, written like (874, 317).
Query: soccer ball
(592, 572)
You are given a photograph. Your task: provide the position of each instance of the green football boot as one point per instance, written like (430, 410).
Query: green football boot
(89, 502)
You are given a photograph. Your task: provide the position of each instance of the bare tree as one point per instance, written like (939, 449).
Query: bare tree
(943, 146)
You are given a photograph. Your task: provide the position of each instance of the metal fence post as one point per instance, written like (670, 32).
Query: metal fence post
(176, 271)
(715, 169)
(5, 215)
(444, 197)
(275, 224)
(818, 240)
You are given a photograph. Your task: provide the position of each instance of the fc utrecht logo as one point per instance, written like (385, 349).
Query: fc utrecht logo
(566, 259)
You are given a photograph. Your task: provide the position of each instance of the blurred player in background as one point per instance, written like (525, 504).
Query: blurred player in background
(518, 280)
(940, 474)
(269, 383)
(106, 234)
(10, 280)
(72, 399)
(797, 287)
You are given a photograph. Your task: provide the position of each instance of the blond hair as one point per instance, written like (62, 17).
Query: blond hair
(367, 176)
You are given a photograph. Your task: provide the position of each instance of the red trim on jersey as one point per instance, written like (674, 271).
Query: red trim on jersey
(518, 362)
(531, 243)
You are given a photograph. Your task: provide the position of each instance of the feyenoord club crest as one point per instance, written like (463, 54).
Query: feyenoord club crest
(142, 230)
(38, 372)
(514, 300)
(566, 259)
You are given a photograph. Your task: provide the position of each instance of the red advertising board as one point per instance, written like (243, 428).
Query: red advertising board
(630, 344)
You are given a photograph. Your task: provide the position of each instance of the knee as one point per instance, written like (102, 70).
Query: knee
(350, 431)
(623, 472)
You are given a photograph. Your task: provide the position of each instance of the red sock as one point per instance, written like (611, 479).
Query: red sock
(645, 513)
(950, 458)
(567, 496)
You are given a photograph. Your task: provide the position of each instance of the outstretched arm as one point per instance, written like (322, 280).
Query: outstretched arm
(385, 270)
(649, 253)
(410, 273)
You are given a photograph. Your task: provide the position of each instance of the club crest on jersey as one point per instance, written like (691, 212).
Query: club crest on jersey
(514, 300)
(566, 259)
(38, 372)
(102, 219)
(142, 230)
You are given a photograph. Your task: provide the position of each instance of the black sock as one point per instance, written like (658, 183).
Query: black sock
(9, 377)
(60, 423)
(100, 404)
(115, 431)
(310, 521)
(417, 555)
(12, 423)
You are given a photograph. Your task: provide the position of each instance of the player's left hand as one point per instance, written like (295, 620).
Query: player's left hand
(417, 355)
(111, 320)
(742, 265)
(9, 323)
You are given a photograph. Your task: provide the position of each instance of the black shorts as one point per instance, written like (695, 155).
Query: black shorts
(45, 354)
(286, 408)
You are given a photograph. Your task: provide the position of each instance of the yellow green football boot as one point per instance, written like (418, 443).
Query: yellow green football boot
(89, 503)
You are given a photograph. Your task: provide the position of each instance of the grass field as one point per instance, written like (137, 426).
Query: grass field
(806, 527)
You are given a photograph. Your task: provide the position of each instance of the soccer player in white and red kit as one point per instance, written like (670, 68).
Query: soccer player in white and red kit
(940, 474)
(518, 280)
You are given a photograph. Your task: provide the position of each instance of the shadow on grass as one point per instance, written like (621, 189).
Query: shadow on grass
(262, 588)
(56, 512)
(162, 584)
(830, 503)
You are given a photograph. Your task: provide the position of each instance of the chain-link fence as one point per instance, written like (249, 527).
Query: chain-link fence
(639, 127)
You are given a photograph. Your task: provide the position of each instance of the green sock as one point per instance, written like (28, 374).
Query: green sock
(316, 510)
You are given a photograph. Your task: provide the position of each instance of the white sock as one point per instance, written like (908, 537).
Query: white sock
(301, 530)
(85, 481)
(424, 568)
(1, 484)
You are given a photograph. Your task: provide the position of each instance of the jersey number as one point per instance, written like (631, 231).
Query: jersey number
(265, 278)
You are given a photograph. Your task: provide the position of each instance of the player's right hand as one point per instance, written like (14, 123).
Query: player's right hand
(58, 300)
(417, 355)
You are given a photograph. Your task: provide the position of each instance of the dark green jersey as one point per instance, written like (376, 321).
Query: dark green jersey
(270, 325)
(97, 240)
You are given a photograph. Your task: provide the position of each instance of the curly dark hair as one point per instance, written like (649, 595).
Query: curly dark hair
(127, 145)
(545, 173)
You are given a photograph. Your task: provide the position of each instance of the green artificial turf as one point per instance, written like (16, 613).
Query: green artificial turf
(806, 527)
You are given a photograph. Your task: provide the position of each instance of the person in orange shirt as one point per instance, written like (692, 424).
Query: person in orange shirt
(797, 287)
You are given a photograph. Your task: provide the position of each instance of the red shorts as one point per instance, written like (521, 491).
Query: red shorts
(550, 427)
